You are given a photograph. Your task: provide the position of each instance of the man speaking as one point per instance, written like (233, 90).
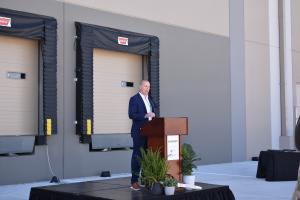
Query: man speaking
(141, 110)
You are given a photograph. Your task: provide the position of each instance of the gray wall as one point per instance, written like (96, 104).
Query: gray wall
(195, 82)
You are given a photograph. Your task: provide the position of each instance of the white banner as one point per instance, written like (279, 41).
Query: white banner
(173, 147)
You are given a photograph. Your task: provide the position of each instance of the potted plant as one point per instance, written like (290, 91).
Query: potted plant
(170, 184)
(154, 170)
(189, 157)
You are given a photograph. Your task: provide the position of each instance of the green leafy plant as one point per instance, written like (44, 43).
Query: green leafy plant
(154, 167)
(170, 181)
(189, 157)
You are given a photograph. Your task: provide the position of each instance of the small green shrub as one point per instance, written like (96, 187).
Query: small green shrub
(170, 182)
(189, 157)
(154, 166)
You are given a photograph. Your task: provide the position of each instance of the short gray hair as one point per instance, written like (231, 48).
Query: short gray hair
(143, 81)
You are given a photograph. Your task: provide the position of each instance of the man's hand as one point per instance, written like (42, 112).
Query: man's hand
(150, 115)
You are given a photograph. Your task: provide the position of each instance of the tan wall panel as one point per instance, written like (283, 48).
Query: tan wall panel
(295, 20)
(296, 66)
(256, 21)
(19, 98)
(110, 99)
(257, 98)
(210, 16)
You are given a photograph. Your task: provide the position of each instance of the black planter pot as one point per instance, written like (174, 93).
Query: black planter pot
(156, 188)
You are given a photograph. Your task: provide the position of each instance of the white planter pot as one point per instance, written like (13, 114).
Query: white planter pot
(169, 190)
(189, 180)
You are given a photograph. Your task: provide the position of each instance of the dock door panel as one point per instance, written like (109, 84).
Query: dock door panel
(18, 86)
(116, 77)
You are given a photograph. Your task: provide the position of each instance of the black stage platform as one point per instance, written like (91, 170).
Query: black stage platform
(119, 189)
(278, 165)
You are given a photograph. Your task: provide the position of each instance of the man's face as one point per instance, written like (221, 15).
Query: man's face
(145, 88)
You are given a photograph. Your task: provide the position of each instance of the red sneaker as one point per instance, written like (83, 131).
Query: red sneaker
(135, 186)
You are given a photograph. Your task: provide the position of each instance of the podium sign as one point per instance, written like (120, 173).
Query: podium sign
(165, 133)
(173, 147)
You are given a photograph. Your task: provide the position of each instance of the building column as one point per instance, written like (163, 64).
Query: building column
(237, 72)
(286, 69)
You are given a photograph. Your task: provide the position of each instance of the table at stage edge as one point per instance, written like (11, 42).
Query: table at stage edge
(278, 165)
(119, 189)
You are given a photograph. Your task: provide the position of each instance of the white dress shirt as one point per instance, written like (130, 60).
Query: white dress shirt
(147, 104)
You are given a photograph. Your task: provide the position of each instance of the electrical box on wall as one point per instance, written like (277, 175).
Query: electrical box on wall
(16, 75)
(127, 84)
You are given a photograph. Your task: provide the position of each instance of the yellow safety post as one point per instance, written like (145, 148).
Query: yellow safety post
(88, 127)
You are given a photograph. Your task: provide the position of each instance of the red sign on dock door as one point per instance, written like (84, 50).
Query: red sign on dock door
(122, 40)
(4, 21)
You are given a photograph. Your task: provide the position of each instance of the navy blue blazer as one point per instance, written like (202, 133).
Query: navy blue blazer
(137, 111)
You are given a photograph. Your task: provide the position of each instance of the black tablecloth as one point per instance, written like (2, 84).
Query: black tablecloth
(278, 165)
(119, 189)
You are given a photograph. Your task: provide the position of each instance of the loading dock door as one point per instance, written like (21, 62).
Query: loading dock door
(110, 97)
(18, 86)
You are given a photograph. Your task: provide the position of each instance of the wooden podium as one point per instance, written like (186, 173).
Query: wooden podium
(165, 133)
